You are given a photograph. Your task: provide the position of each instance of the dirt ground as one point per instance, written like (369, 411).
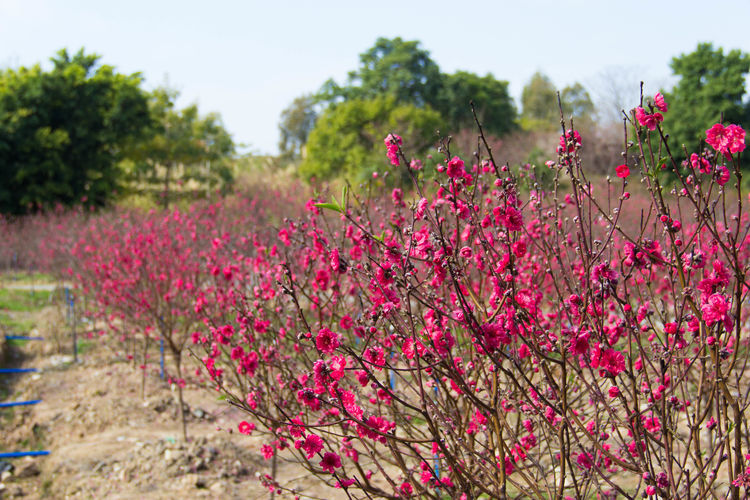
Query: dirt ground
(107, 442)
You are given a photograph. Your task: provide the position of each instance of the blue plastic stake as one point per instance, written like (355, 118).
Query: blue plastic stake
(18, 370)
(67, 301)
(161, 360)
(22, 337)
(19, 403)
(16, 454)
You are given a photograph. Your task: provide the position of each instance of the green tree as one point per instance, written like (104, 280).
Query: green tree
(348, 137)
(393, 67)
(539, 103)
(64, 132)
(297, 121)
(541, 110)
(183, 146)
(494, 106)
(711, 85)
(576, 102)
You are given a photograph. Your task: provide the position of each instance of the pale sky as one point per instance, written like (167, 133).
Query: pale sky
(248, 60)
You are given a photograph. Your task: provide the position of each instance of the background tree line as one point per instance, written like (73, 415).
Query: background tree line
(83, 133)
(338, 130)
(80, 132)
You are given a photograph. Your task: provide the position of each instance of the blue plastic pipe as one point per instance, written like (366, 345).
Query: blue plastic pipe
(18, 370)
(19, 403)
(16, 454)
(22, 337)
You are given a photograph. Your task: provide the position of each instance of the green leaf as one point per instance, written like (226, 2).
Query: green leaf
(329, 206)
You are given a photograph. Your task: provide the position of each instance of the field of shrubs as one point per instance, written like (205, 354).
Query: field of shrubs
(484, 331)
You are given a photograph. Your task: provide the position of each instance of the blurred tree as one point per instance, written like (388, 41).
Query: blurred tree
(711, 85)
(297, 121)
(541, 110)
(494, 106)
(391, 67)
(348, 137)
(63, 132)
(183, 146)
(539, 103)
(577, 103)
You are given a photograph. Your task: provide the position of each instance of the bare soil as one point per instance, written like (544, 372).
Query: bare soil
(106, 441)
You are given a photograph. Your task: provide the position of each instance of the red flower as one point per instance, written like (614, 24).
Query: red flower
(330, 462)
(717, 138)
(729, 139)
(392, 142)
(455, 167)
(312, 444)
(736, 138)
(700, 163)
(327, 341)
(569, 141)
(646, 120)
(659, 102)
(246, 428)
(622, 171)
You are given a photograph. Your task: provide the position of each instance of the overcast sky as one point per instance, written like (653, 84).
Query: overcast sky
(248, 60)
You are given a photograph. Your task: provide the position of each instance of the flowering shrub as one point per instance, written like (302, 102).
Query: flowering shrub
(481, 339)
(475, 336)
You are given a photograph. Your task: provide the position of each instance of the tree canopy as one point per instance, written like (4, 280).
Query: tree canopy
(348, 137)
(396, 81)
(182, 146)
(64, 131)
(492, 101)
(540, 110)
(297, 121)
(394, 67)
(711, 85)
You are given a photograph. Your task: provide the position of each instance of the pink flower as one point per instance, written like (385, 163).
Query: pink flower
(455, 167)
(700, 163)
(312, 444)
(584, 460)
(406, 488)
(397, 195)
(614, 391)
(717, 138)
(729, 139)
(330, 462)
(246, 428)
(327, 341)
(622, 171)
(647, 120)
(421, 208)
(569, 141)
(659, 102)
(722, 174)
(715, 309)
(736, 139)
(392, 142)
(346, 322)
(512, 219)
(610, 360)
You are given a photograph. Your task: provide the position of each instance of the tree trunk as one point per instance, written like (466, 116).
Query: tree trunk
(145, 367)
(179, 393)
(168, 167)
